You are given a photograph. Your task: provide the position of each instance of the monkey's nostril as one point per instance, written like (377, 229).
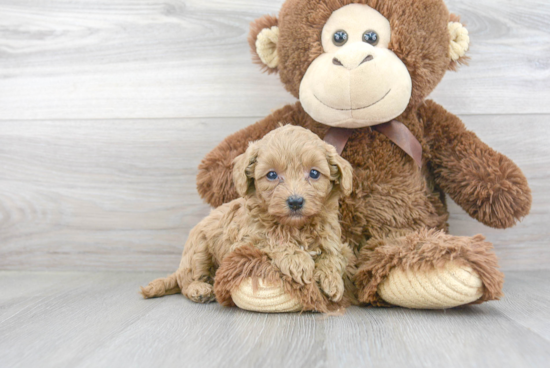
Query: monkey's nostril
(295, 203)
(367, 59)
(335, 61)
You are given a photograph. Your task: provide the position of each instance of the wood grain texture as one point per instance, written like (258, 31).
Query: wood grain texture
(111, 59)
(120, 194)
(98, 320)
(489, 335)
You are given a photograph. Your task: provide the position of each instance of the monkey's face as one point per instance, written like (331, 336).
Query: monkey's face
(357, 63)
(357, 81)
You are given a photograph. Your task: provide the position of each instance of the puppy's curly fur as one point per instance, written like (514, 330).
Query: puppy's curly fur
(303, 244)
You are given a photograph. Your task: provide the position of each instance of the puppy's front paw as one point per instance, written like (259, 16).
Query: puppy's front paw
(331, 283)
(299, 266)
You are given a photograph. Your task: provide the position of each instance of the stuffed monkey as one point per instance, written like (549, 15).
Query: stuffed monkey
(362, 70)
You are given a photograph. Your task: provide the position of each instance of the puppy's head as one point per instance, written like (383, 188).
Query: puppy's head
(292, 174)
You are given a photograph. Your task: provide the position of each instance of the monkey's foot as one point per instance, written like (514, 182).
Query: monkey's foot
(450, 286)
(266, 297)
(428, 269)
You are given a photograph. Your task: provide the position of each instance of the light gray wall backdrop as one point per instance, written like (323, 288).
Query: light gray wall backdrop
(108, 106)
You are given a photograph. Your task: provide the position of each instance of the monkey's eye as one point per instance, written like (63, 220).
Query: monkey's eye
(314, 174)
(272, 175)
(370, 37)
(340, 38)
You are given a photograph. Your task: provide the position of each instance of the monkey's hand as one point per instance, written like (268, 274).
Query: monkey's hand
(485, 183)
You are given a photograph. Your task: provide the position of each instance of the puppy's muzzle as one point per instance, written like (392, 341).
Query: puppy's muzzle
(295, 203)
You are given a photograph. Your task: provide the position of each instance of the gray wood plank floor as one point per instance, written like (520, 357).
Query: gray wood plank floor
(71, 319)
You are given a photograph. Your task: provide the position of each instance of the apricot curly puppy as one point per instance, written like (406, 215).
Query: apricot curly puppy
(290, 182)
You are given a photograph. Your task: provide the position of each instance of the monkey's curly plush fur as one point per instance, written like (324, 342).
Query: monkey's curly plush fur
(290, 182)
(395, 219)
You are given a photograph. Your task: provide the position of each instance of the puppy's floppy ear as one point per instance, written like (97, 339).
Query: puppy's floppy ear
(460, 42)
(243, 170)
(341, 171)
(263, 40)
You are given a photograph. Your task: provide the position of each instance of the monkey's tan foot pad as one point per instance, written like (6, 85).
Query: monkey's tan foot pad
(448, 287)
(267, 298)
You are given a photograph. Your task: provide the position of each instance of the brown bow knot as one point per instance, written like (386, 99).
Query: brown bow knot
(395, 130)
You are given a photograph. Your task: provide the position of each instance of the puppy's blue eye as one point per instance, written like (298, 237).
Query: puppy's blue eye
(314, 174)
(272, 175)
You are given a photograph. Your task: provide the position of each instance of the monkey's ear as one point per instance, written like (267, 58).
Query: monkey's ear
(263, 40)
(460, 42)
(243, 171)
(341, 171)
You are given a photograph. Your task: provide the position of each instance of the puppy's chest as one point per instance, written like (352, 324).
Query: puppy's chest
(295, 240)
(310, 244)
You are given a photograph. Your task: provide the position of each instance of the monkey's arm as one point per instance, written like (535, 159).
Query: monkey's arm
(215, 180)
(485, 183)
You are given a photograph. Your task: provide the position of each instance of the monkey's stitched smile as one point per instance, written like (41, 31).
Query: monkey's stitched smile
(358, 108)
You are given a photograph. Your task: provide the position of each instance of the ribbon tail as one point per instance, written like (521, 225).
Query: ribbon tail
(399, 134)
(338, 137)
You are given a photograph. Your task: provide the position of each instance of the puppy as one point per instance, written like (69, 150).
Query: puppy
(289, 183)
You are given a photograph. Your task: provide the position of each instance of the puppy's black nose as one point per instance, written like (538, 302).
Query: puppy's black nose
(295, 202)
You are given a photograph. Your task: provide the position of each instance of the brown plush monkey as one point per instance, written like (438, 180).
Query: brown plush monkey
(362, 70)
